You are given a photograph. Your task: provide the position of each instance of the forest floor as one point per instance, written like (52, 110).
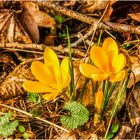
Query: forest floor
(71, 99)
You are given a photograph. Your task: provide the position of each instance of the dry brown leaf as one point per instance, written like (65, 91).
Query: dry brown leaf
(123, 132)
(41, 18)
(135, 75)
(93, 136)
(137, 96)
(11, 29)
(12, 85)
(66, 136)
(32, 17)
(49, 40)
(91, 6)
(109, 11)
(134, 107)
(30, 25)
(135, 16)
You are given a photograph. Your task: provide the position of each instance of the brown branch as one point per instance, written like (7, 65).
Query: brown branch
(39, 48)
(90, 20)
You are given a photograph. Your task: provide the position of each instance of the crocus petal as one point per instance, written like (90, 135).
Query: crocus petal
(88, 70)
(99, 77)
(100, 58)
(36, 87)
(110, 45)
(119, 63)
(50, 58)
(118, 77)
(66, 82)
(43, 73)
(50, 96)
(64, 68)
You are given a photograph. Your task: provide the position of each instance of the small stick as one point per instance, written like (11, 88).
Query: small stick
(38, 48)
(24, 112)
(90, 20)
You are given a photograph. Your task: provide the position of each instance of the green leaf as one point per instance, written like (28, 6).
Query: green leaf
(109, 136)
(36, 112)
(71, 66)
(62, 35)
(5, 118)
(126, 46)
(34, 97)
(59, 19)
(78, 115)
(7, 126)
(25, 135)
(115, 128)
(21, 128)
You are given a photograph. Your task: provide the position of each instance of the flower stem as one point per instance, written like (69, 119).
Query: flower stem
(117, 101)
(96, 86)
(109, 94)
(103, 85)
(83, 89)
(105, 98)
(71, 66)
(119, 95)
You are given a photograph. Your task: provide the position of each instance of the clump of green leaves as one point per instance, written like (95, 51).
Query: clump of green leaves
(77, 115)
(34, 97)
(23, 131)
(113, 131)
(59, 19)
(7, 126)
(21, 128)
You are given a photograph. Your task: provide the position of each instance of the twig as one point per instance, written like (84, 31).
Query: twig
(24, 112)
(38, 48)
(90, 20)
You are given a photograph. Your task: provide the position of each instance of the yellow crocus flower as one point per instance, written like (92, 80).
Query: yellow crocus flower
(98, 105)
(52, 77)
(108, 62)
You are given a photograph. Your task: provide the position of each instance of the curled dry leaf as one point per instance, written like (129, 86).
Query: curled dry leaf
(41, 18)
(32, 17)
(30, 25)
(134, 113)
(12, 85)
(137, 96)
(109, 11)
(135, 76)
(91, 6)
(134, 106)
(7, 64)
(11, 29)
(135, 16)
(123, 132)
